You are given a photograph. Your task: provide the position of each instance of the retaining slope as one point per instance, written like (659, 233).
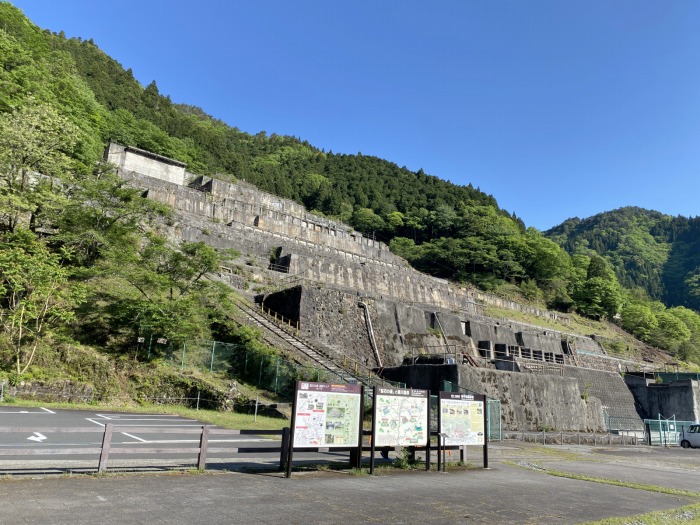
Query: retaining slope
(618, 402)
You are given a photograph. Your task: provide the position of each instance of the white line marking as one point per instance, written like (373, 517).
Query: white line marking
(136, 438)
(49, 411)
(39, 438)
(21, 412)
(101, 498)
(100, 423)
(144, 417)
(175, 441)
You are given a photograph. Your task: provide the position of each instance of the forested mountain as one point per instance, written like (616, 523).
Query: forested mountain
(93, 241)
(657, 253)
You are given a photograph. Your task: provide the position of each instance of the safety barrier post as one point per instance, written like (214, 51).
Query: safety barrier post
(284, 451)
(106, 442)
(203, 444)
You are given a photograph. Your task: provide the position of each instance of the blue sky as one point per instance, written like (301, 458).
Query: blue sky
(558, 109)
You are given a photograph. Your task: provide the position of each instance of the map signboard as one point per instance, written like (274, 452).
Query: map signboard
(461, 418)
(327, 415)
(400, 417)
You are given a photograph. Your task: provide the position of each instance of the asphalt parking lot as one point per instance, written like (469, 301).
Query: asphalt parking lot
(503, 494)
(516, 489)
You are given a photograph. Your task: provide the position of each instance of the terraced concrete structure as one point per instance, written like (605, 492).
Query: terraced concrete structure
(357, 300)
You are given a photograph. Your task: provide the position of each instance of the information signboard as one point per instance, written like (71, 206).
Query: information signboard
(461, 418)
(400, 417)
(327, 415)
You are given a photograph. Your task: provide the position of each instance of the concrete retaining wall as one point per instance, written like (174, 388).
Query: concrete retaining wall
(528, 401)
(679, 398)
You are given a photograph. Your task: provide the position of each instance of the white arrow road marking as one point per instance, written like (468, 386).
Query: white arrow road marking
(39, 438)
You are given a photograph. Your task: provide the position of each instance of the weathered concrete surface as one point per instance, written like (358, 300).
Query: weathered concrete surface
(536, 401)
(146, 163)
(679, 398)
(528, 401)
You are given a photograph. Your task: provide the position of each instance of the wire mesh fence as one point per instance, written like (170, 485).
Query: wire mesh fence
(574, 438)
(257, 367)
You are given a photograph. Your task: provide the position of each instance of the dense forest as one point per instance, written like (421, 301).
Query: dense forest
(648, 250)
(77, 236)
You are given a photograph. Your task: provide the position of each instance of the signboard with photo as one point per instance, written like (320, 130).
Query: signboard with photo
(461, 418)
(327, 415)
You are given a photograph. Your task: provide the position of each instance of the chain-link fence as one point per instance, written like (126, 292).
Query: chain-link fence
(574, 438)
(257, 367)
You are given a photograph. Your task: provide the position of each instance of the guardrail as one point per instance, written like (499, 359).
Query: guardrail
(106, 449)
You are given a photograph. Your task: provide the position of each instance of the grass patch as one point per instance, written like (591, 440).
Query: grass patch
(615, 482)
(626, 484)
(687, 514)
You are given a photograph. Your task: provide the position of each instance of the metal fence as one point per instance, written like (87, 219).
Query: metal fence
(574, 438)
(262, 369)
(665, 431)
(668, 377)
(620, 424)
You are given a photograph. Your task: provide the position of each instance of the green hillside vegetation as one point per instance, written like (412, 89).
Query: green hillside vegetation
(656, 257)
(84, 261)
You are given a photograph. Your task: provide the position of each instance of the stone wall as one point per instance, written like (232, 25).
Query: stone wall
(239, 216)
(335, 319)
(543, 340)
(494, 332)
(246, 209)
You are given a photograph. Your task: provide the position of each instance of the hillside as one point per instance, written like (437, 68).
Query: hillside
(86, 260)
(657, 253)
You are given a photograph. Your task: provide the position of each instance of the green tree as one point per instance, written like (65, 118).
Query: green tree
(35, 147)
(172, 294)
(103, 213)
(598, 297)
(639, 320)
(671, 332)
(35, 295)
(366, 221)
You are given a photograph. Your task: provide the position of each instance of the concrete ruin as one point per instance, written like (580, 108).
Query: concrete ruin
(353, 297)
